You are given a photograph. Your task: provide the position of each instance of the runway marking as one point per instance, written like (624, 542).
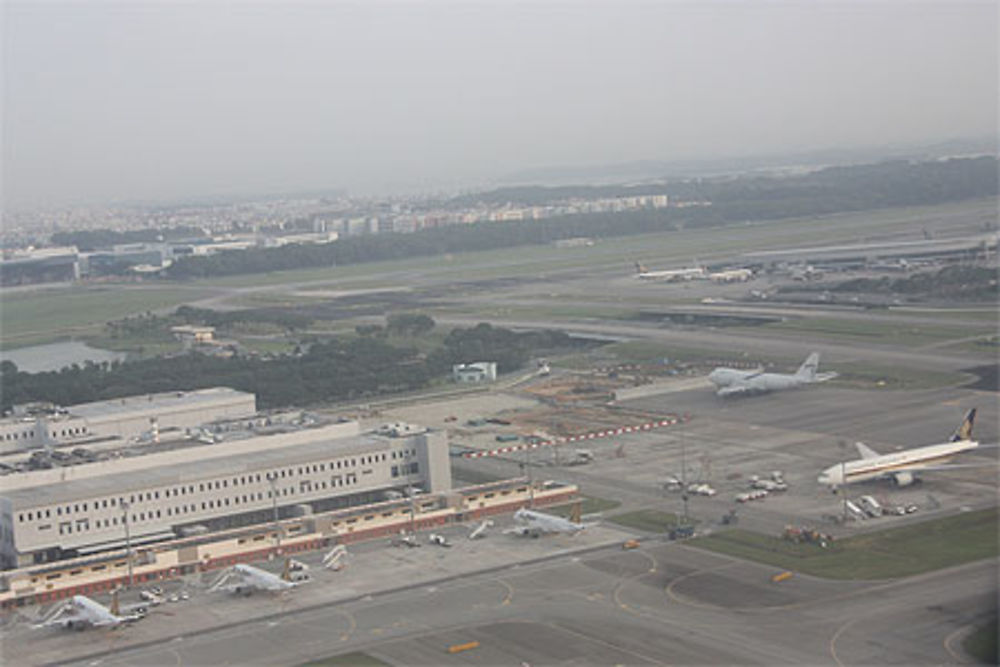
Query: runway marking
(591, 638)
(177, 656)
(836, 636)
(352, 624)
(961, 659)
(616, 596)
(669, 590)
(510, 592)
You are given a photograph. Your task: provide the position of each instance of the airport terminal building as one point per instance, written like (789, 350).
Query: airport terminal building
(134, 417)
(189, 486)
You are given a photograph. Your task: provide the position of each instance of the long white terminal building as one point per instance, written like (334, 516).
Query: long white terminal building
(63, 512)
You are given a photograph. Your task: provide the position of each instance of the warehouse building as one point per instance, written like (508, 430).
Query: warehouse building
(188, 487)
(132, 417)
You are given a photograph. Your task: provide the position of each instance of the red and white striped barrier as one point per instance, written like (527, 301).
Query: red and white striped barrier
(648, 426)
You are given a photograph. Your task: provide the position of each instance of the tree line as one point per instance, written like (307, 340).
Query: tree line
(831, 190)
(333, 370)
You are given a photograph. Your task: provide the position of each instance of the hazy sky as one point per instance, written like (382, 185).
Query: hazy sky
(142, 100)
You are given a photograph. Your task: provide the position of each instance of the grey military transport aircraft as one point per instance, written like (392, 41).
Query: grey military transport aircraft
(735, 382)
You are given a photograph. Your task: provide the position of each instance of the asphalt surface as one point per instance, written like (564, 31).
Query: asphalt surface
(658, 605)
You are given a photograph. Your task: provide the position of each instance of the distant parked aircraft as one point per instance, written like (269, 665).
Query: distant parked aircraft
(731, 276)
(80, 612)
(531, 523)
(731, 381)
(670, 275)
(903, 466)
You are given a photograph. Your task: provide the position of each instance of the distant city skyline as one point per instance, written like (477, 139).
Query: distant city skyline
(151, 102)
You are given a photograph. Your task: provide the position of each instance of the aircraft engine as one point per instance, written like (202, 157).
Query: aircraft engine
(903, 478)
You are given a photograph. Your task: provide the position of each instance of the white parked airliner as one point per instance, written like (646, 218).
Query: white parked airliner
(670, 275)
(245, 579)
(735, 382)
(531, 523)
(902, 466)
(81, 612)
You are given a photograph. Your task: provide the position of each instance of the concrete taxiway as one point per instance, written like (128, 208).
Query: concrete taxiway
(666, 603)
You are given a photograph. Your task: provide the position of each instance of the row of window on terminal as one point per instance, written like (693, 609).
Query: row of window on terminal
(17, 435)
(335, 481)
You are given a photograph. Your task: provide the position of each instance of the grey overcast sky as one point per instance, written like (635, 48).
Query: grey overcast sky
(141, 100)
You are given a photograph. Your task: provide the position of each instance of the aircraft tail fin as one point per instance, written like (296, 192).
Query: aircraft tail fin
(640, 268)
(865, 451)
(964, 430)
(808, 368)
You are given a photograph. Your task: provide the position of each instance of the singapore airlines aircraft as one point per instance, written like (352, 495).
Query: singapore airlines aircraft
(732, 382)
(81, 612)
(670, 275)
(245, 579)
(533, 524)
(902, 466)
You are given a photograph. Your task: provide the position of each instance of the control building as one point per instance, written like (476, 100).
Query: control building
(189, 486)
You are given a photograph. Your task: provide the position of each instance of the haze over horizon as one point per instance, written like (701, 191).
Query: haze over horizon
(144, 101)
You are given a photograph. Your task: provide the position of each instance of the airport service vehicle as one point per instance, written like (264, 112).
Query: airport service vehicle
(855, 511)
(438, 540)
(670, 275)
(903, 466)
(80, 612)
(531, 523)
(701, 490)
(480, 530)
(871, 506)
(735, 382)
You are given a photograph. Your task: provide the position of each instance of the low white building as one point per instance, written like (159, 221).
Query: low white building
(75, 510)
(125, 418)
(479, 371)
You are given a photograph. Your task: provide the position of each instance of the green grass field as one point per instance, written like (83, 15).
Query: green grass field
(886, 554)
(31, 318)
(590, 505)
(355, 659)
(652, 521)
(982, 644)
(889, 333)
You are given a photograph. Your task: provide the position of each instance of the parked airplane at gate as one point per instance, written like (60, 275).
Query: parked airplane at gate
(903, 466)
(245, 579)
(533, 524)
(732, 382)
(80, 612)
(670, 275)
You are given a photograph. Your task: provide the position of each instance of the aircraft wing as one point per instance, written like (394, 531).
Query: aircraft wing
(823, 377)
(865, 451)
(735, 390)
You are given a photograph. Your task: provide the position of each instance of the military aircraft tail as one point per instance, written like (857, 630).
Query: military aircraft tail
(808, 368)
(964, 430)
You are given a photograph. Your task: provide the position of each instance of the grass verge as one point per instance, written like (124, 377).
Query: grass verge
(652, 521)
(886, 554)
(354, 659)
(590, 505)
(982, 644)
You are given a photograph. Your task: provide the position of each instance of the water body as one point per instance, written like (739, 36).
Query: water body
(54, 356)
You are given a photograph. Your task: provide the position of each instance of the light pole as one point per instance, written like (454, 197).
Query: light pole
(128, 540)
(684, 483)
